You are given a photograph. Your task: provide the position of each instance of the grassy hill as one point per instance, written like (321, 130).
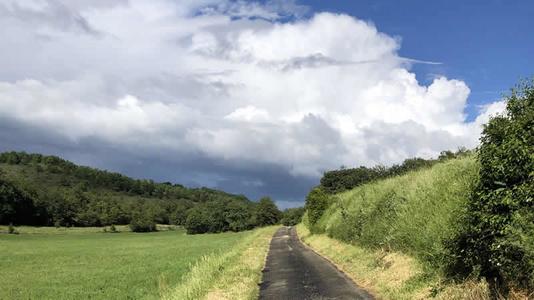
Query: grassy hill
(49, 191)
(391, 235)
(415, 213)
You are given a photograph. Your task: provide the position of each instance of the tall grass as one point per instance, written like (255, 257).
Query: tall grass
(414, 213)
(233, 274)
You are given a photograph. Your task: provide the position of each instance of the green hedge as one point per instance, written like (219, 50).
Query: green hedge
(498, 239)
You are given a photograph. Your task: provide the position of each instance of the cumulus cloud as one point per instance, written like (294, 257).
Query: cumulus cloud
(238, 85)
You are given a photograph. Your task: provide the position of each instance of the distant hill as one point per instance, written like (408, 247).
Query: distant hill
(47, 190)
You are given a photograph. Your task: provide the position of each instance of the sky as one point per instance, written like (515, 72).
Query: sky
(255, 98)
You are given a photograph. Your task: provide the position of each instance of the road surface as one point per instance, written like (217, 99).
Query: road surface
(293, 271)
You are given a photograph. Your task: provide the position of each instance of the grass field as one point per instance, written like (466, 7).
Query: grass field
(50, 263)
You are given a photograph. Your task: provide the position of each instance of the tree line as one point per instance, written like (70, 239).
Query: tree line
(337, 181)
(49, 191)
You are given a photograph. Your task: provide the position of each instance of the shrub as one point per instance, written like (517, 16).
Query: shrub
(498, 239)
(142, 223)
(316, 203)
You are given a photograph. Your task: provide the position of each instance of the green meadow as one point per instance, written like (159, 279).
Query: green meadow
(59, 263)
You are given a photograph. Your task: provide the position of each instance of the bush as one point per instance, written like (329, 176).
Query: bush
(316, 203)
(498, 239)
(142, 223)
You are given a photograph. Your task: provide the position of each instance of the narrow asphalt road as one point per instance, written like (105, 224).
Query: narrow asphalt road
(295, 272)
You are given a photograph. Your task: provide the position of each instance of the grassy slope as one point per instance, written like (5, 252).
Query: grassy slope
(390, 234)
(85, 264)
(414, 213)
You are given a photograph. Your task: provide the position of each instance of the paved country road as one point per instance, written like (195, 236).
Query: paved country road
(293, 271)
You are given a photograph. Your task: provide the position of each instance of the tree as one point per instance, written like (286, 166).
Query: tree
(198, 221)
(292, 216)
(317, 202)
(179, 215)
(15, 206)
(237, 216)
(267, 213)
(142, 222)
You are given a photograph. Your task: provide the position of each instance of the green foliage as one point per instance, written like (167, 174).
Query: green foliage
(219, 216)
(317, 201)
(47, 190)
(413, 213)
(345, 179)
(292, 216)
(15, 205)
(238, 216)
(142, 222)
(198, 221)
(267, 213)
(179, 215)
(498, 239)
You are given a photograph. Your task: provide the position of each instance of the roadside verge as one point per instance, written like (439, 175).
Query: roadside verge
(389, 274)
(233, 274)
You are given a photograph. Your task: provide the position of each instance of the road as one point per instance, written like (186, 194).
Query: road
(294, 271)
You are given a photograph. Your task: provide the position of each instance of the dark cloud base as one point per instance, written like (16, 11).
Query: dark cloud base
(193, 169)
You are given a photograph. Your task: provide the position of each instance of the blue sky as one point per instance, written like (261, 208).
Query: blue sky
(258, 98)
(489, 44)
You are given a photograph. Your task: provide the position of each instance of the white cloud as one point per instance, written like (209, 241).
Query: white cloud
(249, 114)
(228, 80)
